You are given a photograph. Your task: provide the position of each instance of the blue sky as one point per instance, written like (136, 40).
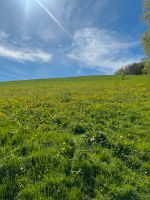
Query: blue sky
(59, 38)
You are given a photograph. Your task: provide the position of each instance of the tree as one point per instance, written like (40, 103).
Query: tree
(146, 69)
(146, 37)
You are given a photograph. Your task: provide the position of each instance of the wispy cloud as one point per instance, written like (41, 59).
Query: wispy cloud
(23, 55)
(52, 16)
(46, 34)
(9, 49)
(102, 49)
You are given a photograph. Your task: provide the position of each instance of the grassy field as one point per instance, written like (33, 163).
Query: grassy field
(75, 139)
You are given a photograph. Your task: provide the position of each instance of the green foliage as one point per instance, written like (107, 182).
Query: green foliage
(146, 69)
(146, 42)
(146, 37)
(75, 139)
(147, 11)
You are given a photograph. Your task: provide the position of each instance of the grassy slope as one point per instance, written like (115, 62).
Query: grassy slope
(75, 138)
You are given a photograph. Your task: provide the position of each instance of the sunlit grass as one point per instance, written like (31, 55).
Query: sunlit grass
(75, 138)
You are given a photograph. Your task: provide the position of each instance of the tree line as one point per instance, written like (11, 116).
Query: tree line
(132, 69)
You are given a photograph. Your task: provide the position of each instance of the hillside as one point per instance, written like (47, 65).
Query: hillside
(80, 138)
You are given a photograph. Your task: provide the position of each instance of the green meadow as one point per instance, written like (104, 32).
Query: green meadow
(84, 138)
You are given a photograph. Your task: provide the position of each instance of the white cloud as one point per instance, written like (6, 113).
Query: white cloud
(9, 50)
(22, 55)
(102, 49)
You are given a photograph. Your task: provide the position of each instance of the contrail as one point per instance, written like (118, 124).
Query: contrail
(52, 16)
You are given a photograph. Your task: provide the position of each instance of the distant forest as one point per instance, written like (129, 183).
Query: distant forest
(132, 69)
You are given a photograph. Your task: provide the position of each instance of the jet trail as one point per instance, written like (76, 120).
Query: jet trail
(52, 16)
